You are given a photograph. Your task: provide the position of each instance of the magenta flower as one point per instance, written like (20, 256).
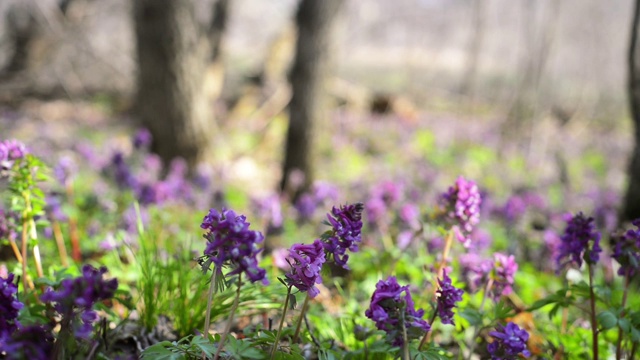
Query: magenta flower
(306, 263)
(580, 241)
(10, 151)
(390, 310)
(447, 296)
(461, 206)
(504, 270)
(229, 241)
(509, 342)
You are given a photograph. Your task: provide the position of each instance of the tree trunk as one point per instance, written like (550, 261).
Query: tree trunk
(314, 20)
(631, 208)
(171, 103)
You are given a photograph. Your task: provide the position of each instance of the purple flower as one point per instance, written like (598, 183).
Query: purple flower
(514, 209)
(305, 206)
(74, 299)
(270, 210)
(65, 169)
(447, 296)
(475, 270)
(229, 240)
(121, 172)
(6, 228)
(54, 208)
(142, 139)
(9, 306)
(410, 215)
(10, 151)
(388, 191)
(574, 248)
(509, 342)
(346, 234)
(461, 205)
(627, 251)
(376, 210)
(31, 342)
(390, 311)
(504, 270)
(306, 264)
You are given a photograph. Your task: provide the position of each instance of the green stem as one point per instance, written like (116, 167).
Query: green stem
(594, 322)
(233, 311)
(302, 312)
(477, 329)
(212, 291)
(426, 336)
(284, 312)
(624, 302)
(405, 340)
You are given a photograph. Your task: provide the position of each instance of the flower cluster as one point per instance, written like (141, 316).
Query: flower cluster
(504, 270)
(574, 248)
(346, 234)
(76, 297)
(509, 342)
(229, 240)
(9, 306)
(447, 295)
(320, 195)
(30, 342)
(461, 205)
(10, 151)
(391, 311)
(306, 264)
(627, 251)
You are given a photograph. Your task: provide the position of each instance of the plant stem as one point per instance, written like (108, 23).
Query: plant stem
(405, 341)
(624, 302)
(62, 249)
(230, 321)
(427, 336)
(24, 253)
(445, 253)
(477, 330)
(212, 291)
(302, 312)
(284, 312)
(76, 254)
(594, 322)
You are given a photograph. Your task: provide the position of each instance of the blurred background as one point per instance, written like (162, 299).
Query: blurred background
(278, 94)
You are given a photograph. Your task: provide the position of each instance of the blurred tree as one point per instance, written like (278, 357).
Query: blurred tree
(314, 20)
(174, 52)
(631, 208)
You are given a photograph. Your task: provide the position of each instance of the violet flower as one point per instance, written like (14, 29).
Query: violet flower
(461, 205)
(9, 306)
(390, 310)
(580, 241)
(306, 264)
(74, 299)
(346, 233)
(627, 251)
(229, 241)
(447, 296)
(509, 342)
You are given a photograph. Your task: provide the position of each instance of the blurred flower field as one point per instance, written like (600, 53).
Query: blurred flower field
(408, 247)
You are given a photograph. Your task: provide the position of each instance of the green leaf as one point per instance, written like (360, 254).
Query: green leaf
(473, 316)
(161, 351)
(607, 319)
